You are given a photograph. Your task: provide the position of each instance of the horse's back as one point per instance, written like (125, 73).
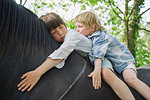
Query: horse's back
(25, 43)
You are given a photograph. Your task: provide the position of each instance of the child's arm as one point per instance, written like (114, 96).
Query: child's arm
(96, 74)
(31, 78)
(71, 40)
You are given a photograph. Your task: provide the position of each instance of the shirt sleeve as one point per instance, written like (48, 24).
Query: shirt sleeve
(69, 44)
(100, 46)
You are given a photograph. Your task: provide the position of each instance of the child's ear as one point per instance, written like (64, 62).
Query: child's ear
(93, 28)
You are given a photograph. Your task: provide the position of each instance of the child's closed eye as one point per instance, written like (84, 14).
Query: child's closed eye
(53, 32)
(60, 27)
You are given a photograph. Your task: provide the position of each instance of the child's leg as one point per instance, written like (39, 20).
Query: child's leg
(119, 87)
(130, 77)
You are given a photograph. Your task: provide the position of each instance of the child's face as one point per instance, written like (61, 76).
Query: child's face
(59, 33)
(83, 29)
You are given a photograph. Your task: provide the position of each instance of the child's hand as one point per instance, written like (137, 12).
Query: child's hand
(96, 78)
(29, 80)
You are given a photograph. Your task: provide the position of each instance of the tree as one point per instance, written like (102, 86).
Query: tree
(131, 19)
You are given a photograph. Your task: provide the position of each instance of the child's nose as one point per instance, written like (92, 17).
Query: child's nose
(77, 30)
(60, 32)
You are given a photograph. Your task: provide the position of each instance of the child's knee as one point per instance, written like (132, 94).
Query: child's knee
(131, 80)
(130, 76)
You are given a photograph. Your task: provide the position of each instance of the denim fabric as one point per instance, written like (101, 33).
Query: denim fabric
(107, 64)
(106, 45)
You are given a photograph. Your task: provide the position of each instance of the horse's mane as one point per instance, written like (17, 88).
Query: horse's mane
(22, 29)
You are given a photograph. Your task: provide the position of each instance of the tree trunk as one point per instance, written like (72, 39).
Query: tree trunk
(126, 23)
(131, 25)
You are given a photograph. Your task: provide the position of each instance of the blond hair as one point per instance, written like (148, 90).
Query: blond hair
(88, 19)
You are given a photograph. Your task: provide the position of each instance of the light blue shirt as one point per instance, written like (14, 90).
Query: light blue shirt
(106, 45)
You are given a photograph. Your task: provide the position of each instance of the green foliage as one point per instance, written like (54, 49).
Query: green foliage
(75, 1)
(142, 54)
(50, 5)
(114, 28)
(83, 7)
(70, 24)
(143, 47)
(93, 2)
(43, 3)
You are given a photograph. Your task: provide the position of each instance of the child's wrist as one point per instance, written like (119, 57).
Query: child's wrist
(97, 69)
(38, 71)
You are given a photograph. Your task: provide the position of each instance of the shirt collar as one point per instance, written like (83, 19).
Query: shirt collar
(97, 33)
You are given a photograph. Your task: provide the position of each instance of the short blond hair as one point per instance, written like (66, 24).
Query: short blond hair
(88, 19)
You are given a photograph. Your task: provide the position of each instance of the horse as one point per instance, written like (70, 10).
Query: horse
(25, 43)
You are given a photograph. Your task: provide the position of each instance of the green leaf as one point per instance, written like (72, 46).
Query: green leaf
(83, 7)
(50, 5)
(43, 3)
(38, 6)
(64, 5)
(114, 28)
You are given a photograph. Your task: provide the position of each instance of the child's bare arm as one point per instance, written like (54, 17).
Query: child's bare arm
(31, 78)
(96, 74)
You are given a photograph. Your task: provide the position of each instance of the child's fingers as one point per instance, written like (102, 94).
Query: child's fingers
(90, 75)
(99, 84)
(32, 85)
(27, 86)
(23, 85)
(24, 75)
(21, 82)
(94, 82)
